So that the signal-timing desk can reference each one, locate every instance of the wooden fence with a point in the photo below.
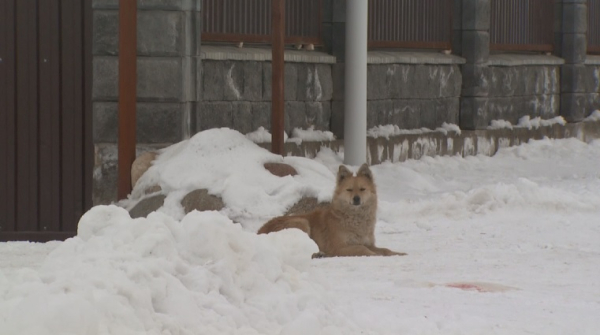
(522, 25)
(593, 34)
(410, 23)
(46, 153)
(250, 21)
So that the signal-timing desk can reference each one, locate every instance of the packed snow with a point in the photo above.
(508, 244)
(528, 122)
(387, 131)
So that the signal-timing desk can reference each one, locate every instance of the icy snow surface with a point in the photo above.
(508, 244)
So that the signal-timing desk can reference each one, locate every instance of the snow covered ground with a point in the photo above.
(508, 244)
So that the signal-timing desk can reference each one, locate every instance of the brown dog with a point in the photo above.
(346, 227)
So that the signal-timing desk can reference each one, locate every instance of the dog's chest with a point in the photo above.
(359, 230)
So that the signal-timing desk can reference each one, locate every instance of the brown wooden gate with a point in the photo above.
(46, 147)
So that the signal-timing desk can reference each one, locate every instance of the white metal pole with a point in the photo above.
(355, 95)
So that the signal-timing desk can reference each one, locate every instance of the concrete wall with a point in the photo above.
(185, 87)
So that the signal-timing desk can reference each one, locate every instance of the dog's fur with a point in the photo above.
(346, 227)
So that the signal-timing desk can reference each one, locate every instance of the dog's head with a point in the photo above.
(355, 190)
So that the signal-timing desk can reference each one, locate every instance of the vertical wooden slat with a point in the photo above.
(88, 149)
(7, 117)
(277, 103)
(26, 107)
(127, 92)
(68, 110)
(49, 146)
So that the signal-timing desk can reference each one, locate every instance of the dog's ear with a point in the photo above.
(365, 171)
(343, 172)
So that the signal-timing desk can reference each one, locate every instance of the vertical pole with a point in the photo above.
(278, 104)
(127, 93)
(355, 95)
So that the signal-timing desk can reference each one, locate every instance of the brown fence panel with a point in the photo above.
(410, 23)
(594, 26)
(45, 118)
(522, 25)
(250, 21)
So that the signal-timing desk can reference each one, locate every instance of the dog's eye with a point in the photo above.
(362, 189)
(349, 189)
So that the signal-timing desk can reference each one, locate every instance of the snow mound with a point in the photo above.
(229, 165)
(203, 275)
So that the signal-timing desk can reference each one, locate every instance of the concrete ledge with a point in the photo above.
(592, 60)
(436, 143)
(412, 57)
(212, 52)
(523, 60)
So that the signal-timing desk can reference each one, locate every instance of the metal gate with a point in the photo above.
(46, 147)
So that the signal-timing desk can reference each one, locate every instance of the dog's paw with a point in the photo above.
(399, 254)
(319, 254)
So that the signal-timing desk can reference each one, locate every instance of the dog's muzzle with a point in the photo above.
(356, 200)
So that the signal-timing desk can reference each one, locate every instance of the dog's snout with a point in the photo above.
(356, 200)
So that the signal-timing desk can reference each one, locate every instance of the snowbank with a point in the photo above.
(203, 275)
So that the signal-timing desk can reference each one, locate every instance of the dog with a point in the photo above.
(346, 227)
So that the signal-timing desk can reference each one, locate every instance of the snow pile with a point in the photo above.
(229, 165)
(313, 135)
(527, 122)
(203, 275)
(390, 130)
(261, 135)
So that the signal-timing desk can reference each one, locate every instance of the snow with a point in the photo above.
(527, 122)
(508, 244)
(390, 130)
(595, 116)
(261, 135)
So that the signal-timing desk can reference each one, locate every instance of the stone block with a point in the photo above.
(327, 11)
(450, 81)
(165, 79)
(261, 115)
(295, 116)
(474, 113)
(318, 114)
(337, 118)
(105, 78)
(446, 110)
(290, 81)
(214, 115)
(580, 79)
(158, 79)
(574, 48)
(574, 107)
(523, 80)
(213, 80)
(379, 81)
(242, 116)
(573, 78)
(233, 80)
(379, 112)
(475, 80)
(253, 85)
(475, 46)
(406, 114)
(155, 122)
(475, 14)
(402, 81)
(105, 32)
(513, 108)
(314, 82)
(338, 77)
(160, 33)
(575, 18)
(428, 114)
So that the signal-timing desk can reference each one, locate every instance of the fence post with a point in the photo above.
(355, 97)
(127, 93)
(571, 45)
(472, 41)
